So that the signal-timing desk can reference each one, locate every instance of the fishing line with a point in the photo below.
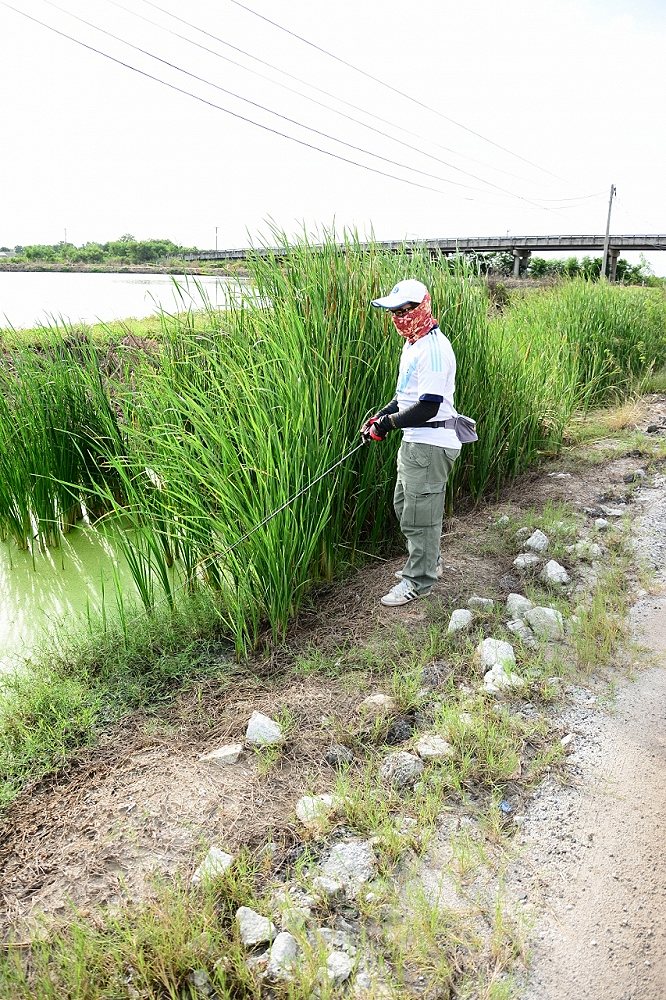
(217, 555)
(207, 560)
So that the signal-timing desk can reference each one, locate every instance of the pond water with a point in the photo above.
(28, 298)
(46, 595)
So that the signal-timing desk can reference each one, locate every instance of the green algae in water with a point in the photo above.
(45, 595)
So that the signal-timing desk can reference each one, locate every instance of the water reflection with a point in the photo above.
(28, 298)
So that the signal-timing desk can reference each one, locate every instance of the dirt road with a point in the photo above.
(595, 851)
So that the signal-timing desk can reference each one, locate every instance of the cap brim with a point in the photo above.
(391, 302)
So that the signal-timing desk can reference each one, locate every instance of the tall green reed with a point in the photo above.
(243, 408)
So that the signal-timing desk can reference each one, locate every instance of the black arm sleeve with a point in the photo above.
(391, 407)
(416, 415)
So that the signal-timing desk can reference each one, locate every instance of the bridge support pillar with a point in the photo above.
(613, 254)
(520, 260)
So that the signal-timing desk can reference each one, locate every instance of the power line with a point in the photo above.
(416, 149)
(307, 83)
(219, 107)
(292, 121)
(262, 107)
(395, 90)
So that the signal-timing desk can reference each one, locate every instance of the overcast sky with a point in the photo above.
(90, 147)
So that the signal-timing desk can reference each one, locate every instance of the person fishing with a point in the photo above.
(432, 435)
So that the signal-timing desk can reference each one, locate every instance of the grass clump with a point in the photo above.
(163, 948)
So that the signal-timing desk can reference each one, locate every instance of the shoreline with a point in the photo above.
(181, 268)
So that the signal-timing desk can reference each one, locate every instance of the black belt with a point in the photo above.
(451, 423)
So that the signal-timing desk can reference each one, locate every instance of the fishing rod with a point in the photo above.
(207, 560)
(218, 555)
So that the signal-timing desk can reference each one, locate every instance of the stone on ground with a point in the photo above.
(537, 542)
(339, 966)
(494, 652)
(517, 605)
(547, 623)
(253, 928)
(518, 627)
(477, 603)
(430, 746)
(283, 957)
(215, 863)
(330, 888)
(351, 863)
(314, 810)
(401, 769)
(262, 731)
(338, 755)
(601, 524)
(377, 706)
(522, 534)
(461, 619)
(554, 575)
(526, 560)
(223, 755)
(498, 679)
(585, 550)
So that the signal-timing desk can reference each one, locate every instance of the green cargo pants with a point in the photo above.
(418, 501)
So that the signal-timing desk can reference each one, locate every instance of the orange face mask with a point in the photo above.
(417, 322)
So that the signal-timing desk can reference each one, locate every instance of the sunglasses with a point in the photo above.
(403, 310)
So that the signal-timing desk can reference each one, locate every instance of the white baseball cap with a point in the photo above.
(409, 290)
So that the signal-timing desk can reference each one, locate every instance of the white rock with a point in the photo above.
(283, 956)
(401, 769)
(461, 618)
(262, 731)
(585, 550)
(253, 928)
(477, 603)
(430, 746)
(351, 863)
(339, 966)
(537, 542)
(613, 511)
(215, 863)
(495, 652)
(554, 575)
(313, 810)
(559, 475)
(601, 524)
(526, 560)
(547, 623)
(330, 888)
(498, 679)
(503, 520)
(224, 755)
(566, 740)
(517, 605)
(524, 633)
(378, 705)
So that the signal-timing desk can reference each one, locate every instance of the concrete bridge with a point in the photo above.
(520, 246)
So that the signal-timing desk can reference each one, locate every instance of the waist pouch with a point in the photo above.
(464, 427)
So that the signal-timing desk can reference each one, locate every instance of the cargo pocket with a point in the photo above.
(422, 510)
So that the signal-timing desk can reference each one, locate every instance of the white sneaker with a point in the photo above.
(402, 593)
(439, 571)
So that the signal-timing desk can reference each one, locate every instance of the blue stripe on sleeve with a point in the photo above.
(429, 397)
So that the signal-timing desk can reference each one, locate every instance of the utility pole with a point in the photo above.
(216, 239)
(65, 236)
(604, 259)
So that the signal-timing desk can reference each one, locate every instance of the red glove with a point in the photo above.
(366, 429)
(380, 428)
